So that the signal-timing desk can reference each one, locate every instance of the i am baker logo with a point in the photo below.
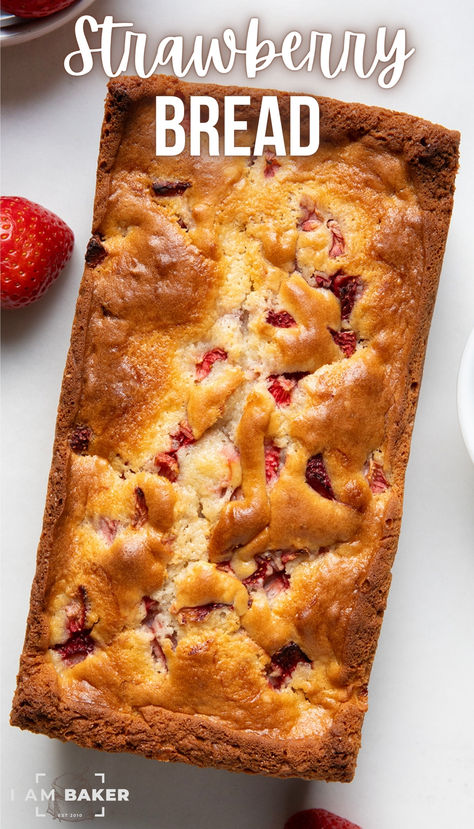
(73, 797)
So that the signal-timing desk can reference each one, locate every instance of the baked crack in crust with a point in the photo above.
(233, 432)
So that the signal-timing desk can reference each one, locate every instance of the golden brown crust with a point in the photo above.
(389, 152)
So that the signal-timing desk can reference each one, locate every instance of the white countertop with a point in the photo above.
(416, 765)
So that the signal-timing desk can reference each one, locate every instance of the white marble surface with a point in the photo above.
(416, 766)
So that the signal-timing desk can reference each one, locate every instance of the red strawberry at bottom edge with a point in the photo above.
(35, 245)
(318, 819)
(34, 8)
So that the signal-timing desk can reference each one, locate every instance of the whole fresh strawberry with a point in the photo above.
(34, 8)
(318, 819)
(35, 244)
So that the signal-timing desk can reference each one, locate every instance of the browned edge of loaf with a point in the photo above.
(431, 152)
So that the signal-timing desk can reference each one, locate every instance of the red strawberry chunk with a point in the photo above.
(284, 662)
(183, 437)
(80, 643)
(276, 584)
(108, 527)
(77, 647)
(76, 611)
(311, 218)
(338, 245)
(167, 465)
(225, 566)
(151, 609)
(269, 576)
(280, 387)
(158, 653)
(318, 478)
(141, 510)
(290, 555)
(204, 366)
(346, 288)
(198, 613)
(170, 188)
(95, 251)
(322, 280)
(377, 480)
(272, 462)
(318, 819)
(346, 340)
(265, 569)
(80, 439)
(271, 164)
(280, 319)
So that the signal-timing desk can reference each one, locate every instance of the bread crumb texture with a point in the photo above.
(233, 463)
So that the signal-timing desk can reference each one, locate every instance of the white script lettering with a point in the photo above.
(386, 57)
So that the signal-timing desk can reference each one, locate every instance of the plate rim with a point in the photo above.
(29, 29)
(465, 395)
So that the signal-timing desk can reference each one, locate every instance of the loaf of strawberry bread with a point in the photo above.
(233, 431)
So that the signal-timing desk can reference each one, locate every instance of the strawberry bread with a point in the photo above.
(234, 425)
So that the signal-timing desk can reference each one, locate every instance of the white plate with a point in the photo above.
(14, 30)
(466, 395)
